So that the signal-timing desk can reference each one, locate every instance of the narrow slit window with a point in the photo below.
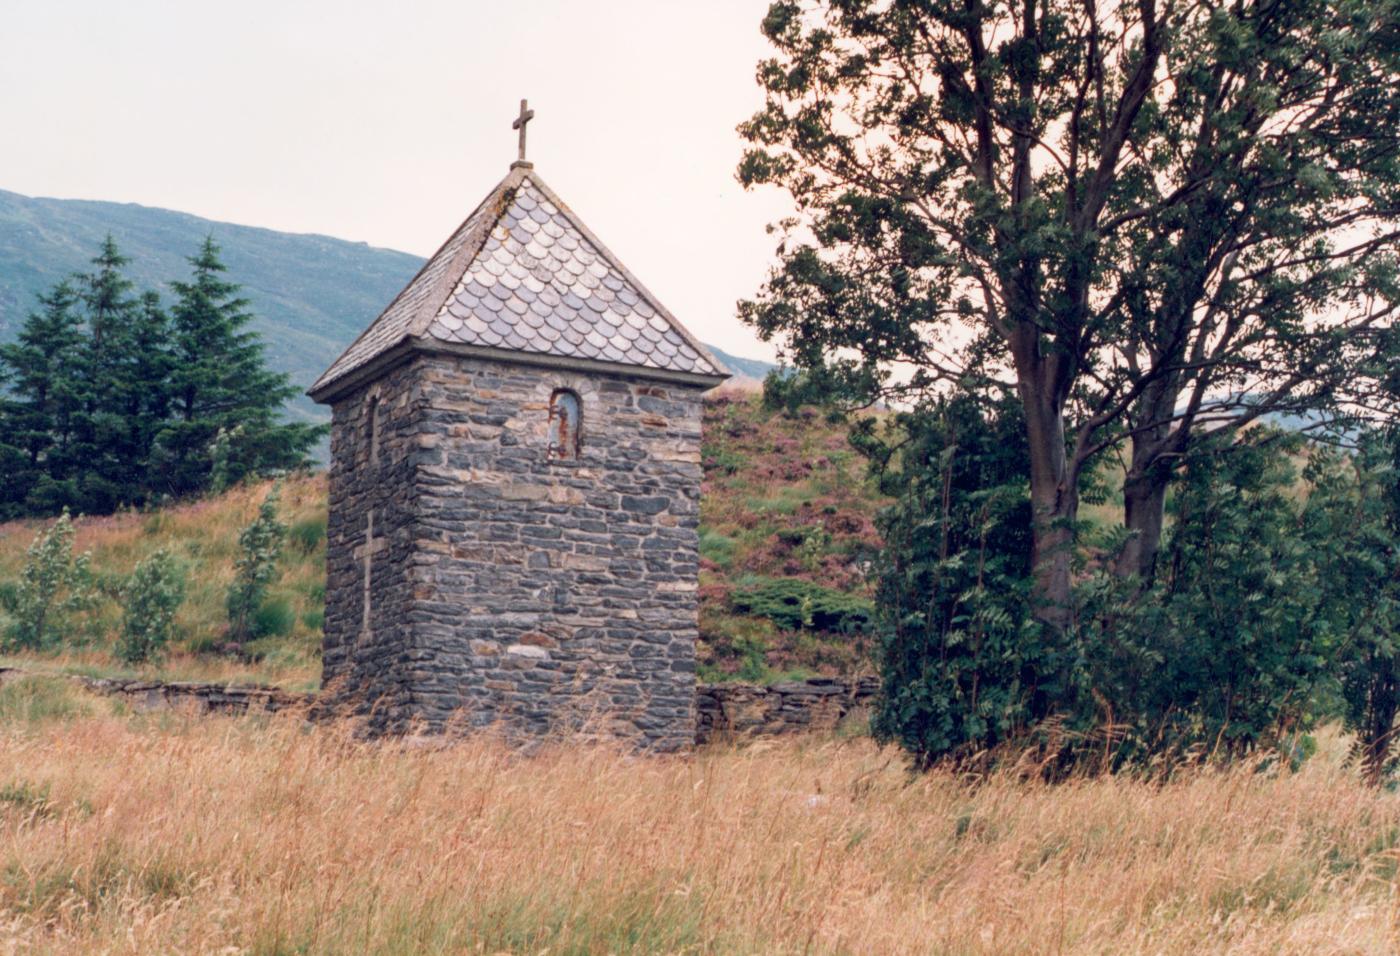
(565, 417)
(372, 413)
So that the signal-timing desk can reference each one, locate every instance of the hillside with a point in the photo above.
(786, 527)
(311, 294)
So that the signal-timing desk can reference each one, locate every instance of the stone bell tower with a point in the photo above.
(514, 489)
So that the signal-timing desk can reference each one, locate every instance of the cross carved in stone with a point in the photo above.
(366, 553)
(525, 116)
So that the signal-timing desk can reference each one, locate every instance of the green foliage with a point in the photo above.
(221, 459)
(52, 587)
(1229, 649)
(259, 547)
(37, 423)
(963, 666)
(1354, 522)
(1264, 602)
(108, 454)
(795, 604)
(149, 602)
(111, 401)
(308, 534)
(275, 618)
(224, 423)
(717, 548)
(998, 194)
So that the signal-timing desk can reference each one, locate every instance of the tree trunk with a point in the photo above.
(1378, 730)
(1144, 513)
(1055, 507)
(1145, 484)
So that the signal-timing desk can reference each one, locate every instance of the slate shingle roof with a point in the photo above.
(522, 274)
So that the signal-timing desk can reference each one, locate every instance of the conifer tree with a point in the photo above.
(146, 383)
(219, 382)
(102, 433)
(37, 420)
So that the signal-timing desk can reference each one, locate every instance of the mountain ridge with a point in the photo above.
(311, 294)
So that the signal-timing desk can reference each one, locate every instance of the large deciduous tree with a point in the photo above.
(1147, 220)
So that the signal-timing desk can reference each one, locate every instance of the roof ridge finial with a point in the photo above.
(526, 114)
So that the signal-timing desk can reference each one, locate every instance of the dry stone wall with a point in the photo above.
(735, 711)
(723, 711)
(203, 698)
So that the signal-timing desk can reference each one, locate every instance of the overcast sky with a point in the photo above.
(387, 122)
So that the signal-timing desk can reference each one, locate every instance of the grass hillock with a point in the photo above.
(786, 534)
(202, 537)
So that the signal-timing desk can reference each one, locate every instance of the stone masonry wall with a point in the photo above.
(370, 539)
(547, 594)
(724, 711)
(733, 711)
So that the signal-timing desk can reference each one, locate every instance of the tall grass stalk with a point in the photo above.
(213, 835)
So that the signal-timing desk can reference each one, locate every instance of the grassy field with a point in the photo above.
(168, 834)
(785, 502)
(203, 536)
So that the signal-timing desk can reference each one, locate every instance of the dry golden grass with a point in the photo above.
(184, 835)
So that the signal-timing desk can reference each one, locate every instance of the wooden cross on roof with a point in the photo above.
(525, 116)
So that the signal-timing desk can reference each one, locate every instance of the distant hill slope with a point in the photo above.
(311, 294)
(756, 369)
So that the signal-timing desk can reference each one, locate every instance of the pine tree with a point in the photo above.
(146, 383)
(220, 382)
(102, 434)
(37, 421)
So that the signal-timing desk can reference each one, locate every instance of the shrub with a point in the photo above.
(149, 602)
(964, 668)
(1228, 650)
(53, 585)
(259, 547)
(1353, 516)
(306, 535)
(275, 618)
(795, 604)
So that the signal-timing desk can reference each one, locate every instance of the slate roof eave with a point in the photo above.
(406, 348)
(720, 368)
(419, 318)
(439, 290)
